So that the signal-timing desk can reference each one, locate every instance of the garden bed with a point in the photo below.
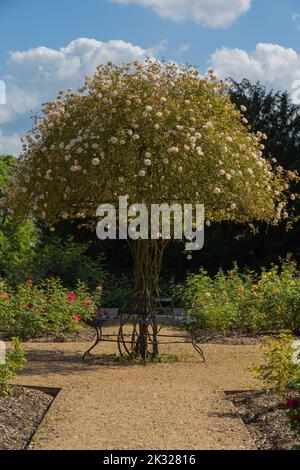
(84, 335)
(237, 339)
(20, 415)
(87, 333)
(266, 419)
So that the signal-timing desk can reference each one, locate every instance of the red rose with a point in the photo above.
(292, 403)
(4, 296)
(296, 418)
(29, 281)
(86, 304)
(72, 296)
(98, 313)
(77, 318)
(31, 306)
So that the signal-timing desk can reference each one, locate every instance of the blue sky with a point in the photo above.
(32, 23)
(46, 46)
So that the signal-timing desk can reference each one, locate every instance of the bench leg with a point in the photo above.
(199, 350)
(195, 343)
(98, 339)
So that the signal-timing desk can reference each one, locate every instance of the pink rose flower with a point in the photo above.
(72, 296)
(292, 403)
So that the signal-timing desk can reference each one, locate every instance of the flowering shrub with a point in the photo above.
(157, 132)
(245, 302)
(14, 361)
(293, 404)
(281, 373)
(31, 311)
(278, 370)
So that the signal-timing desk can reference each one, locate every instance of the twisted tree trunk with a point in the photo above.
(147, 257)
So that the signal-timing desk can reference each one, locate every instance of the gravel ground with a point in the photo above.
(129, 406)
(105, 405)
(20, 415)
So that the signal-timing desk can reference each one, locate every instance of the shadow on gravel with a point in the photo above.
(46, 362)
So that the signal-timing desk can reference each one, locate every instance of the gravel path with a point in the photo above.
(129, 406)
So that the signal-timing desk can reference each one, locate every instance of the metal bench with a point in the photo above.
(161, 313)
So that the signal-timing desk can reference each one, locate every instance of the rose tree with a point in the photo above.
(158, 133)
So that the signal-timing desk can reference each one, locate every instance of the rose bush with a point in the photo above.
(293, 404)
(277, 371)
(280, 373)
(33, 310)
(244, 302)
(159, 133)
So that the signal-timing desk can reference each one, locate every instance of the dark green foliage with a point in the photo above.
(115, 289)
(69, 261)
(17, 240)
(275, 114)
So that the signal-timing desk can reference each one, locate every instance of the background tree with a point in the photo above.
(275, 114)
(17, 240)
(158, 133)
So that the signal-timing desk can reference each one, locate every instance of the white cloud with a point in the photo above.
(296, 20)
(2, 92)
(160, 47)
(182, 48)
(9, 144)
(68, 64)
(212, 13)
(271, 64)
(35, 76)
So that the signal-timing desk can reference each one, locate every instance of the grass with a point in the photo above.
(132, 359)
